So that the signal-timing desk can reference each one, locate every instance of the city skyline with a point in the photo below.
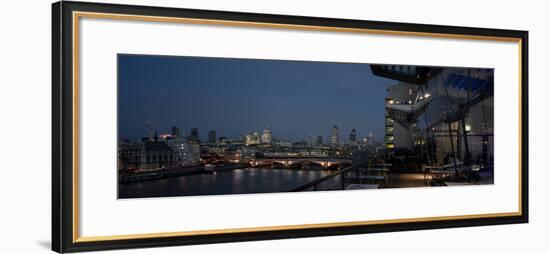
(210, 126)
(204, 135)
(295, 98)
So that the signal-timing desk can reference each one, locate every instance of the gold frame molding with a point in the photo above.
(75, 152)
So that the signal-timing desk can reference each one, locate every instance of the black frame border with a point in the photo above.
(62, 129)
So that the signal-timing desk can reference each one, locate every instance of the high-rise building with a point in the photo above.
(353, 137)
(317, 141)
(267, 136)
(335, 137)
(212, 137)
(369, 140)
(194, 135)
(175, 131)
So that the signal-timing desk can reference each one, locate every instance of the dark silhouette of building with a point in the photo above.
(353, 137)
(194, 135)
(212, 137)
(155, 154)
(175, 131)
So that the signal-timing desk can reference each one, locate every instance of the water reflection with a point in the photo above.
(238, 181)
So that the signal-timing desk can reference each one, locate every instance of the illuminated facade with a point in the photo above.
(398, 129)
(246, 154)
(267, 137)
(185, 155)
(252, 139)
(444, 114)
(389, 127)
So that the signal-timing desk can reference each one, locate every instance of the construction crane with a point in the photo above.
(150, 125)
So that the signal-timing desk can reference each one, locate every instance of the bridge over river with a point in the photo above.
(301, 162)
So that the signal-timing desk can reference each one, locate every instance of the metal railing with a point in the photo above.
(341, 173)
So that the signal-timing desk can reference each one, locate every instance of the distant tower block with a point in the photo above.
(353, 137)
(317, 141)
(212, 137)
(194, 135)
(335, 137)
(370, 138)
(175, 131)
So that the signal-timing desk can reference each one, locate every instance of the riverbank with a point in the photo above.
(173, 172)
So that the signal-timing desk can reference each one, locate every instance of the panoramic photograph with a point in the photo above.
(190, 126)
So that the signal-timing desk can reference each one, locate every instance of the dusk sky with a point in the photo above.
(295, 99)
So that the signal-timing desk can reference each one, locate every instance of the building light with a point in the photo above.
(467, 127)
(427, 95)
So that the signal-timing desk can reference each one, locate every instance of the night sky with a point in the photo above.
(295, 99)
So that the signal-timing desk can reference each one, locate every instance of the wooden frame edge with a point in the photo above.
(60, 80)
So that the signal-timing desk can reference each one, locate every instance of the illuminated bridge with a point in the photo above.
(301, 162)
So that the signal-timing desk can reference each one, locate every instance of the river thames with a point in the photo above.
(237, 181)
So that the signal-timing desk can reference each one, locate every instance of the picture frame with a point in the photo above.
(66, 91)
